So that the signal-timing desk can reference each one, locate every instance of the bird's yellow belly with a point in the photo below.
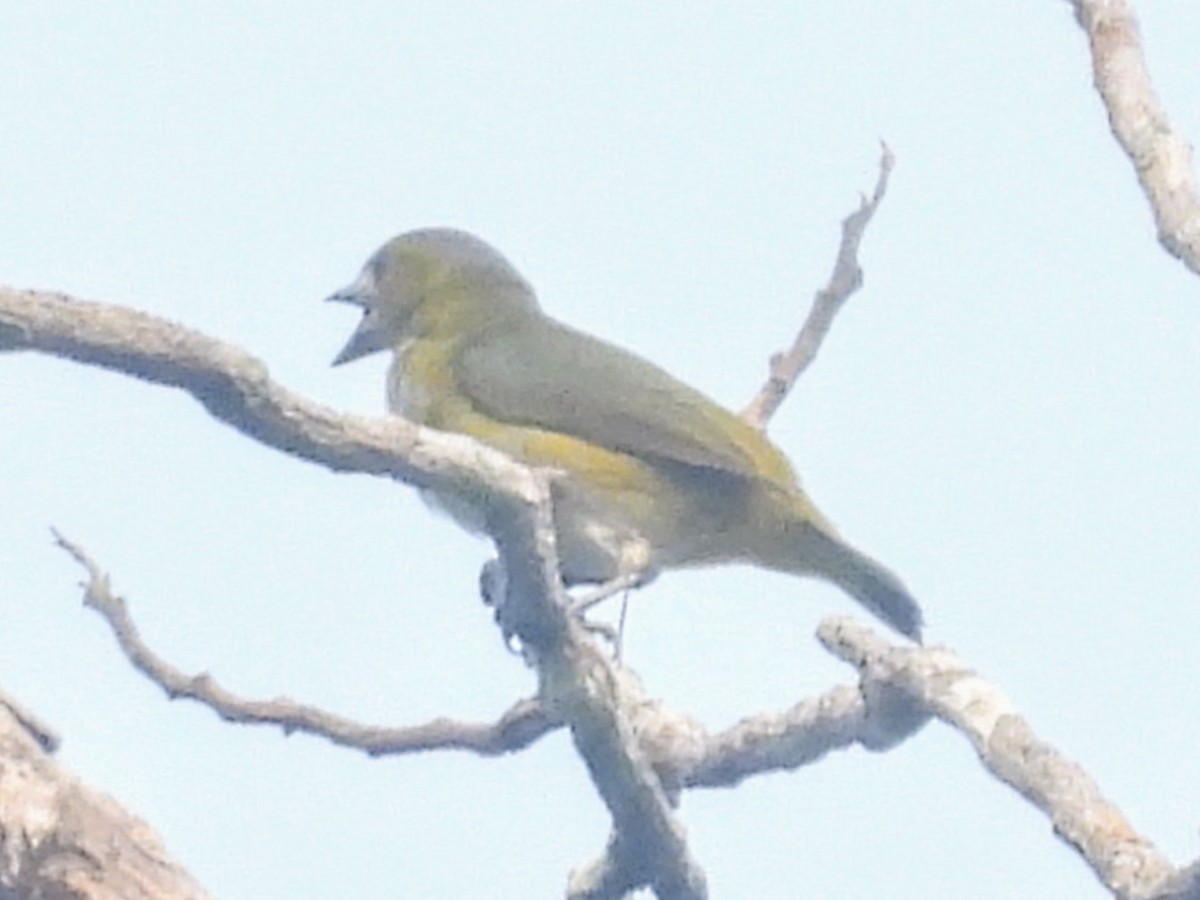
(614, 513)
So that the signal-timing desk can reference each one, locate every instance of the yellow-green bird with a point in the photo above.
(654, 475)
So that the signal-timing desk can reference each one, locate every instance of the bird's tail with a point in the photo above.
(805, 547)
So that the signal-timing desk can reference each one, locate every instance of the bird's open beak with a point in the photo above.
(356, 348)
(369, 336)
(366, 338)
(348, 294)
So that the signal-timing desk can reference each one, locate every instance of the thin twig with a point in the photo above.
(523, 724)
(847, 277)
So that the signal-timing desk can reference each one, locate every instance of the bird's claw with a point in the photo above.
(624, 582)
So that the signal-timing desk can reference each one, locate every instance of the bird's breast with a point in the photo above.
(421, 385)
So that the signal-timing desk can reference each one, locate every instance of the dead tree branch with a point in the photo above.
(846, 278)
(59, 838)
(936, 681)
(1161, 157)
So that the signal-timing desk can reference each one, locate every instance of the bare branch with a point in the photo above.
(45, 736)
(523, 724)
(59, 838)
(771, 742)
(1161, 157)
(847, 277)
(649, 844)
(934, 678)
(236, 388)
(600, 702)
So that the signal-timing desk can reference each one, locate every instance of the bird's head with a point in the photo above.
(435, 282)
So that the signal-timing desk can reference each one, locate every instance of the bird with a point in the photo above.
(651, 474)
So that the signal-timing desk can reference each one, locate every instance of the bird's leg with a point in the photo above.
(619, 642)
(622, 583)
(493, 589)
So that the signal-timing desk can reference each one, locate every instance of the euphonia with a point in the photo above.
(652, 473)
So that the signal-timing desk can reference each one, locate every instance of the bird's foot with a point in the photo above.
(622, 584)
(493, 588)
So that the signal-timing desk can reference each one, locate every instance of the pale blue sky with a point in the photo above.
(1006, 415)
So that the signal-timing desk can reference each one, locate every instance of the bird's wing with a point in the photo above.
(549, 376)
